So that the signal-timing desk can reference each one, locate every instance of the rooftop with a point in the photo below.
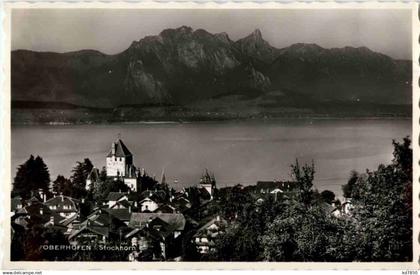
(120, 149)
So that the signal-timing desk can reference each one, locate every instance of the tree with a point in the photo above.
(102, 174)
(304, 177)
(382, 208)
(102, 188)
(63, 186)
(32, 175)
(348, 188)
(328, 196)
(145, 182)
(79, 176)
(41, 175)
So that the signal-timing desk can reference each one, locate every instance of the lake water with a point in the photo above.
(237, 152)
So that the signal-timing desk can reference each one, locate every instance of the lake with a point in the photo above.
(237, 152)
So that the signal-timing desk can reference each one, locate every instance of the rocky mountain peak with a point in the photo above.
(182, 65)
(256, 47)
(256, 34)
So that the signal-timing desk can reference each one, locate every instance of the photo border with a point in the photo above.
(5, 137)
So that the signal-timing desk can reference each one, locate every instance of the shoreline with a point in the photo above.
(239, 120)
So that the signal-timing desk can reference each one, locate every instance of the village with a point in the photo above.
(146, 219)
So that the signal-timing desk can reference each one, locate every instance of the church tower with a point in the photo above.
(209, 183)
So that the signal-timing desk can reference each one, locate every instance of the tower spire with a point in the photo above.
(163, 178)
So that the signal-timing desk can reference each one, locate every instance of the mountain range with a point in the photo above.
(186, 67)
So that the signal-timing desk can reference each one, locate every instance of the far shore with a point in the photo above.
(157, 122)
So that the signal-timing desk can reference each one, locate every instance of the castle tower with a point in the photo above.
(119, 161)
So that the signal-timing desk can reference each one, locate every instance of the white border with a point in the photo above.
(5, 170)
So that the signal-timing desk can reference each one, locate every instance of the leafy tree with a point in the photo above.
(304, 177)
(61, 185)
(52, 236)
(328, 196)
(348, 188)
(145, 182)
(118, 186)
(102, 188)
(233, 202)
(102, 174)
(302, 234)
(31, 176)
(383, 211)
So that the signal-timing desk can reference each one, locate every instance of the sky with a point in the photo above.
(112, 30)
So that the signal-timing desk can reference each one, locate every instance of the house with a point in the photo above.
(343, 210)
(99, 227)
(114, 197)
(119, 164)
(89, 233)
(35, 213)
(123, 204)
(148, 205)
(63, 206)
(181, 203)
(162, 231)
(274, 187)
(166, 208)
(175, 221)
(207, 234)
(121, 214)
(149, 243)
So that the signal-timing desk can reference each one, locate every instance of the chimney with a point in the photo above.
(62, 197)
(113, 149)
(218, 218)
(129, 209)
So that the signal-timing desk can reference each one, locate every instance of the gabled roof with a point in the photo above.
(69, 220)
(124, 203)
(155, 195)
(121, 214)
(34, 199)
(165, 208)
(114, 196)
(93, 174)
(61, 200)
(103, 231)
(220, 222)
(175, 221)
(120, 150)
(97, 218)
(145, 231)
(181, 203)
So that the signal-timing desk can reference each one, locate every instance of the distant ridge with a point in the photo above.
(183, 66)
